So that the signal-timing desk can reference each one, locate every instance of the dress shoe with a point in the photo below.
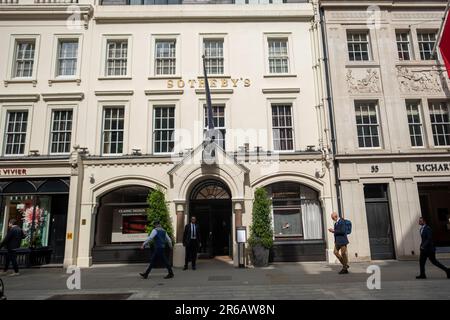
(143, 275)
(421, 277)
(448, 273)
(170, 275)
(343, 271)
(185, 268)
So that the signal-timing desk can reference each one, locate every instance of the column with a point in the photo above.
(178, 249)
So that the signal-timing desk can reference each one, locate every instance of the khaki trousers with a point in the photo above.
(341, 253)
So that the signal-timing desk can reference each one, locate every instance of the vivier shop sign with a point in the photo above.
(433, 167)
(13, 172)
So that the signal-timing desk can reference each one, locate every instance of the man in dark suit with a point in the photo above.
(427, 250)
(191, 241)
(340, 241)
(12, 241)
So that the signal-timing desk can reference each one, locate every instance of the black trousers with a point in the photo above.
(11, 256)
(424, 255)
(191, 253)
(158, 253)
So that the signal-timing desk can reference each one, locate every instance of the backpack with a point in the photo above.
(348, 226)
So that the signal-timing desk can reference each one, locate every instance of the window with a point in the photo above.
(278, 56)
(165, 57)
(282, 127)
(16, 132)
(358, 46)
(24, 58)
(214, 61)
(427, 41)
(367, 125)
(61, 132)
(164, 127)
(219, 123)
(113, 128)
(67, 57)
(296, 211)
(116, 57)
(403, 46)
(415, 124)
(440, 122)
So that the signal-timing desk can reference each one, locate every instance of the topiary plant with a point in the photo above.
(261, 232)
(158, 211)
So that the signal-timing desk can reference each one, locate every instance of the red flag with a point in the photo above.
(444, 45)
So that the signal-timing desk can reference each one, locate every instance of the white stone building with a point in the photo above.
(101, 102)
(391, 117)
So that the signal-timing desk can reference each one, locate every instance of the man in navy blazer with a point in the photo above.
(340, 241)
(427, 250)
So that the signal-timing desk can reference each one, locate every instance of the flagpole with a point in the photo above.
(433, 53)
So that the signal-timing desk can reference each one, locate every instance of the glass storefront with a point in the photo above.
(122, 216)
(23, 208)
(297, 212)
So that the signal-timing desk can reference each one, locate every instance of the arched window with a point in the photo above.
(297, 211)
(122, 216)
(210, 190)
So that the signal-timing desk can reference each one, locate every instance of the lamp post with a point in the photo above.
(241, 239)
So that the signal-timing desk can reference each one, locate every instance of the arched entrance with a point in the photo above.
(210, 202)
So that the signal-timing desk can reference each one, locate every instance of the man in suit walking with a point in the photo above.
(427, 250)
(191, 242)
(12, 241)
(340, 241)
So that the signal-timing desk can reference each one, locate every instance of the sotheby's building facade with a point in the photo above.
(102, 104)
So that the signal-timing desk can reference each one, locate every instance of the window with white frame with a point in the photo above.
(367, 125)
(214, 59)
(358, 46)
(427, 41)
(165, 57)
(278, 55)
(403, 45)
(116, 57)
(414, 123)
(16, 132)
(219, 122)
(24, 58)
(61, 131)
(440, 122)
(164, 128)
(282, 127)
(113, 129)
(67, 57)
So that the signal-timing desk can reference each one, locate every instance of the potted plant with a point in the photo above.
(158, 211)
(261, 233)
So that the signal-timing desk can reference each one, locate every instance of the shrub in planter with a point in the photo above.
(158, 211)
(261, 233)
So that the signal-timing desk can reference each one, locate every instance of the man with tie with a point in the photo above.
(191, 242)
(427, 250)
(340, 241)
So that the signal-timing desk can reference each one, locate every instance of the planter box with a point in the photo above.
(27, 257)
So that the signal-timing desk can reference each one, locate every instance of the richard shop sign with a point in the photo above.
(433, 167)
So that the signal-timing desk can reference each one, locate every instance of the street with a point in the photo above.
(219, 280)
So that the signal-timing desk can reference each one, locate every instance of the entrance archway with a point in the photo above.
(210, 202)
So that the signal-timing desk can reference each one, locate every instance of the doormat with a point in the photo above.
(91, 296)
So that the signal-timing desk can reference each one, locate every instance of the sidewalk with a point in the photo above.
(214, 280)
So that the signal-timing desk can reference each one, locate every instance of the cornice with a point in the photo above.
(44, 11)
(419, 4)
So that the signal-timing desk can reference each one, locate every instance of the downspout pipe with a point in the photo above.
(330, 104)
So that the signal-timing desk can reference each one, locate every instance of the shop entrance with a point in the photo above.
(379, 222)
(435, 208)
(210, 202)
